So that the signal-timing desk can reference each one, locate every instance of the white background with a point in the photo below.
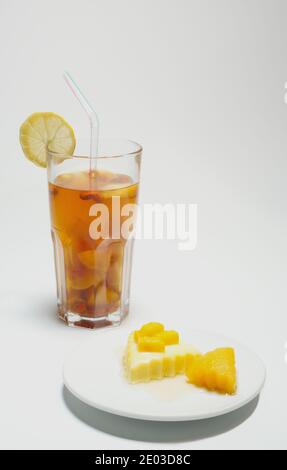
(201, 85)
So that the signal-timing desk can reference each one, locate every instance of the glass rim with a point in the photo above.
(104, 155)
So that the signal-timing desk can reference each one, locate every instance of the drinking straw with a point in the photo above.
(92, 115)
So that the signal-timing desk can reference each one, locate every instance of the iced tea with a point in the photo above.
(89, 271)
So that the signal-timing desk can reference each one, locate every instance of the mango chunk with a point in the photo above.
(214, 370)
(149, 329)
(156, 330)
(169, 337)
(150, 344)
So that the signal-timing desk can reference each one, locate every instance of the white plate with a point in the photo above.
(93, 373)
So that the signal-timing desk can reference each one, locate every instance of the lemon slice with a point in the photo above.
(43, 131)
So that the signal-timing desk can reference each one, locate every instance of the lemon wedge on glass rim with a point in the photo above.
(43, 132)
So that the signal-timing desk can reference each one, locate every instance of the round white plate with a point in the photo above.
(93, 373)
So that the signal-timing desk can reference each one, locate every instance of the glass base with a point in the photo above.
(111, 319)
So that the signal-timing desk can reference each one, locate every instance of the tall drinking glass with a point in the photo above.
(92, 205)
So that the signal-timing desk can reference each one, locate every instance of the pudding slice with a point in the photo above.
(150, 357)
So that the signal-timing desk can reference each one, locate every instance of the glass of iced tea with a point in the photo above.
(91, 202)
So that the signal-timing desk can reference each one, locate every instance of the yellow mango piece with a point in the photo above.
(151, 329)
(150, 344)
(169, 337)
(214, 370)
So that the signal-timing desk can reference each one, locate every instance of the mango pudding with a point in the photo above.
(154, 353)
